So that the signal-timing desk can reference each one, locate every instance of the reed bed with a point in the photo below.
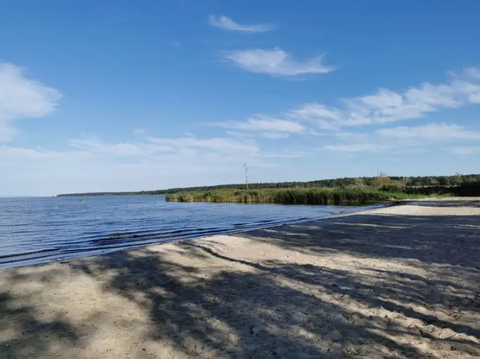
(315, 196)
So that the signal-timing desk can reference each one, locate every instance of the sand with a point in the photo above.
(397, 282)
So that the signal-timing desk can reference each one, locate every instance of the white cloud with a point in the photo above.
(464, 150)
(181, 148)
(219, 146)
(356, 147)
(431, 131)
(405, 139)
(383, 107)
(286, 154)
(239, 134)
(387, 106)
(226, 23)
(275, 62)
(316, 114)
(157, 147)
(21, 98)
(118, 149)
(272, 135)
(20, 153)
(189, 149)
(263, 126)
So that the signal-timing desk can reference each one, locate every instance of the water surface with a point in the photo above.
(42, 230)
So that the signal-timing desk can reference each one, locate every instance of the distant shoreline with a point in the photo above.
(431, 182)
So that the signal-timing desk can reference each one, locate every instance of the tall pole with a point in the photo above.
(246, 174)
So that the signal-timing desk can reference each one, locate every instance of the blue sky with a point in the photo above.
(102, 95)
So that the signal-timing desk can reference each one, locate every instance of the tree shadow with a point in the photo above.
(237, 314)
(278, 310)
(26, 334)
(392, 290)
(452, 240)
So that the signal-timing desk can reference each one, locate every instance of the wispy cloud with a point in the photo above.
(318, 115)
(20, 154)
(188, 148)
(96, 146)
(431, 131)
(21, 98)
(381, 108)
(356, 147)
(405, 138)
(464, 150)
(388, 106)
(219, 146)
(264, 126)
(226, 23)
(276, 62)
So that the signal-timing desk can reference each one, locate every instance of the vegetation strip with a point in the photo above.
(425, 184)
(313, 196)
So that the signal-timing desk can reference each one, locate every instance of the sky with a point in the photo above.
(100, 95)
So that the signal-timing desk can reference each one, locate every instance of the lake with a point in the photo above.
(42, 230)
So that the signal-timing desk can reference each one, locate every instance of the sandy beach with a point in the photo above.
(396, 282)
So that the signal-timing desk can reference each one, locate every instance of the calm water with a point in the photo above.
(41, 230)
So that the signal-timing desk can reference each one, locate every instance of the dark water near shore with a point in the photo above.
(42, 230)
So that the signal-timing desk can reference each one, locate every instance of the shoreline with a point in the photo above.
(232, 231)
(398, 281)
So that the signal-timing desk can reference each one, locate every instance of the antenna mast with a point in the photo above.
(246, 174)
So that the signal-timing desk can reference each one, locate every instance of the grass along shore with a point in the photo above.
(315, 196)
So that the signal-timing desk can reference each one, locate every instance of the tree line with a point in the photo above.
(380, 181)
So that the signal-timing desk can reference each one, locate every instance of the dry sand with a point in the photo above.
(397, 282)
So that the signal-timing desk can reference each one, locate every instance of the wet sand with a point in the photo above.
(397, 282)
